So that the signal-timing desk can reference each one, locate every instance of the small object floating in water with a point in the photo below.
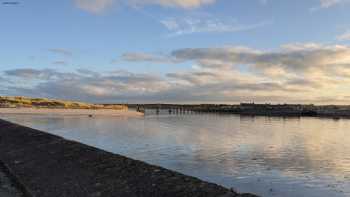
(139, 109)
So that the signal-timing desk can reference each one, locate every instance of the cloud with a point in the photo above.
(94, 6)
(294, 57)
(85, 84)
(233, 72)
(99, 6)
(123, 86)
(187, 4)
(305, 72)
(146, 57)
(29, 73)
(344, 37)
(199, 24)
(60, 62)
(328, 4)
(61, 51)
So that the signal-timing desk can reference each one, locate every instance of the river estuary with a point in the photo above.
(268, 156)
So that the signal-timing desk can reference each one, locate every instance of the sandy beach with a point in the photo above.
(72, 112)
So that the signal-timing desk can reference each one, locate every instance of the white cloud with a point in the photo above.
(200, 24)
(98, 6)
(329, 3)
(344, 37)
(94, 6)
(174, 3)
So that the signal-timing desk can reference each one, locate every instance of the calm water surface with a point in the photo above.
(263, 155)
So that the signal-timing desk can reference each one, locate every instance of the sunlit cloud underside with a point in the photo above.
(297, 73)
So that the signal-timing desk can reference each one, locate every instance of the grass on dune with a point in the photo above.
(19, 101)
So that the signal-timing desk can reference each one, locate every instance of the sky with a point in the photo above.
(176, 51)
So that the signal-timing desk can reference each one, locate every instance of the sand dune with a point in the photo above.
(75, 112)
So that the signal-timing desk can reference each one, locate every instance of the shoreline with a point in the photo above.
(47, 165)
(251, 109)
(70, 112)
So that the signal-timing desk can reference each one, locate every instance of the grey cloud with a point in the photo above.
(61, 51)
(305, 83)
(87, 72)
(195, 78)
(124, 86)
(60, 62)
(307, 71)
(85, 84)
(44, 74)
(293, 59)
(209, 81)
(146, 57)
(225, 54)
(29, 73)
(303, 69)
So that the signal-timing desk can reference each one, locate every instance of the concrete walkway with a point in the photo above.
(7, 187)
(49, 166)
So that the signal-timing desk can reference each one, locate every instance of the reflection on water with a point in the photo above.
(263, 155)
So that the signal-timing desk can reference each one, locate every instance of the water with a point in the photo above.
(269, 156)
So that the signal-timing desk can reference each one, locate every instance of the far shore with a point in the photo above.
(72, 112)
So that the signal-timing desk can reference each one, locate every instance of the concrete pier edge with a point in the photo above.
(14, 180)
(45, 165)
